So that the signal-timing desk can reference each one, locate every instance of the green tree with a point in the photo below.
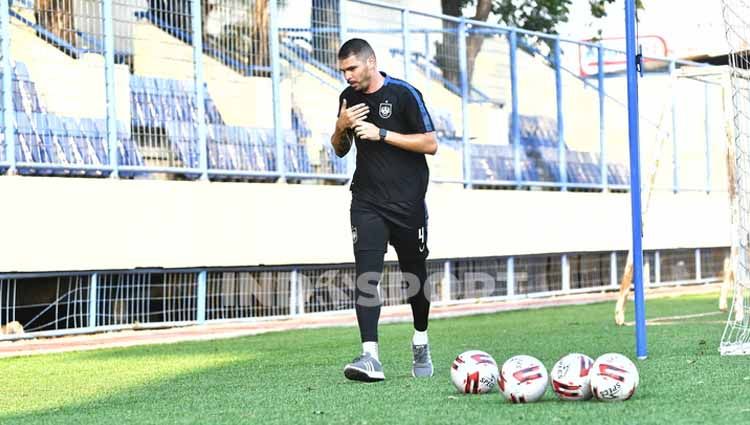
(533, 15)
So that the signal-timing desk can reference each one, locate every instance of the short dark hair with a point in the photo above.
(357, 47)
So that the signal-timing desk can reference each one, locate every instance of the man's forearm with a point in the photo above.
(340, 142)
(421, 143)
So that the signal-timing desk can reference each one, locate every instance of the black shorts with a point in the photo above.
(403, 224)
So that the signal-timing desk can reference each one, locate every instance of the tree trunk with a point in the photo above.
(325, 15)
(447, 51)
(56, 16)
(474, 43)
(259, 52)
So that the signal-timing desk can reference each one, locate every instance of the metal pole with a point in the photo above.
(464, 79)
(342, 21)
(613, 269)
(675, 164)
(635, 180)
(561, 153)
(565, 268)
(515, 124)
(93, 293)
(511, 281)
(201, 304)
(273, 34)
(698, 274)
(446, 287)
(707, 126)
(602, 135)
(109, 82)
(405, 30)
(293, 293)
(199, 81)
(8, 108)
(657, 267)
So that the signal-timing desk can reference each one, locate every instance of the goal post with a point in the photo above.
(736, 13)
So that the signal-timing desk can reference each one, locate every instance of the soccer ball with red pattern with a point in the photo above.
(523, 379)
(570, 377)
(474, 372)
(613, 377)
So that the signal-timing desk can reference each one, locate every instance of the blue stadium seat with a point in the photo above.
(297, 160)
(127, 150)
(337, 165)
(497, 163)
(212, 112)
(618, 174)
(94, 131)
(30, 146)
(214, 148)
(243, 142)
(86, 145)
(21, 71)
(73, 152)
(538, 132)
(184, 141)
(55, 152)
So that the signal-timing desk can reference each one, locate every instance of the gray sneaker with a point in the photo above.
(364, 368)
(422, 366)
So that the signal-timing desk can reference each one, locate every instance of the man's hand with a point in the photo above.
(349, 117)
(367, 131)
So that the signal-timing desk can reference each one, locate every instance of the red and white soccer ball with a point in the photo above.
(523, 379)
(474, 372)
(613, 377)
(570, 377)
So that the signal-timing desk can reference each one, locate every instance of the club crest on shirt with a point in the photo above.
(385, 110)
(354, 234)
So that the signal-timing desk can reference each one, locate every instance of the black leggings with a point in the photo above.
(369, 268)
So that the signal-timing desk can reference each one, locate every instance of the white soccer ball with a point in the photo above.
(613, 377)
(523, 379)
(570, 377)
(474, 372)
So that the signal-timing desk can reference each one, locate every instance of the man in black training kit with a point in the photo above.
(388, 120)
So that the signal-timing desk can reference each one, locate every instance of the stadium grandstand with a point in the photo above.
(168, 162)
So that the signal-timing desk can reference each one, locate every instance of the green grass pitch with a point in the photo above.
(296, 377)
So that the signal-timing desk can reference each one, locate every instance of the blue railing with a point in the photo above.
(212, 149)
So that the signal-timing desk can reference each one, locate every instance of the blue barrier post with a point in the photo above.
(109, 82)
(515, 125)
(707, 126)
(464, 80)
(273, 36)
(510, 290)
(93, 293)
(602, 135)
(635, 180)
(657, 267)
(293, 293)
(675, 164)
(405, 35)
(561, 152)
(201, 304)
(8, 108)
(199, 84)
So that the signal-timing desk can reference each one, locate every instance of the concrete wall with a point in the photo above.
(54, 224)
(242, 101)
(67, 86)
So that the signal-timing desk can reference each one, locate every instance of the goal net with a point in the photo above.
(736, 337)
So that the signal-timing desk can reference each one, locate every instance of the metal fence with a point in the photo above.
(246, 90)
(48, 304)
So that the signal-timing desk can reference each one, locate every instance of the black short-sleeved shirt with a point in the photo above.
(384, 172)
